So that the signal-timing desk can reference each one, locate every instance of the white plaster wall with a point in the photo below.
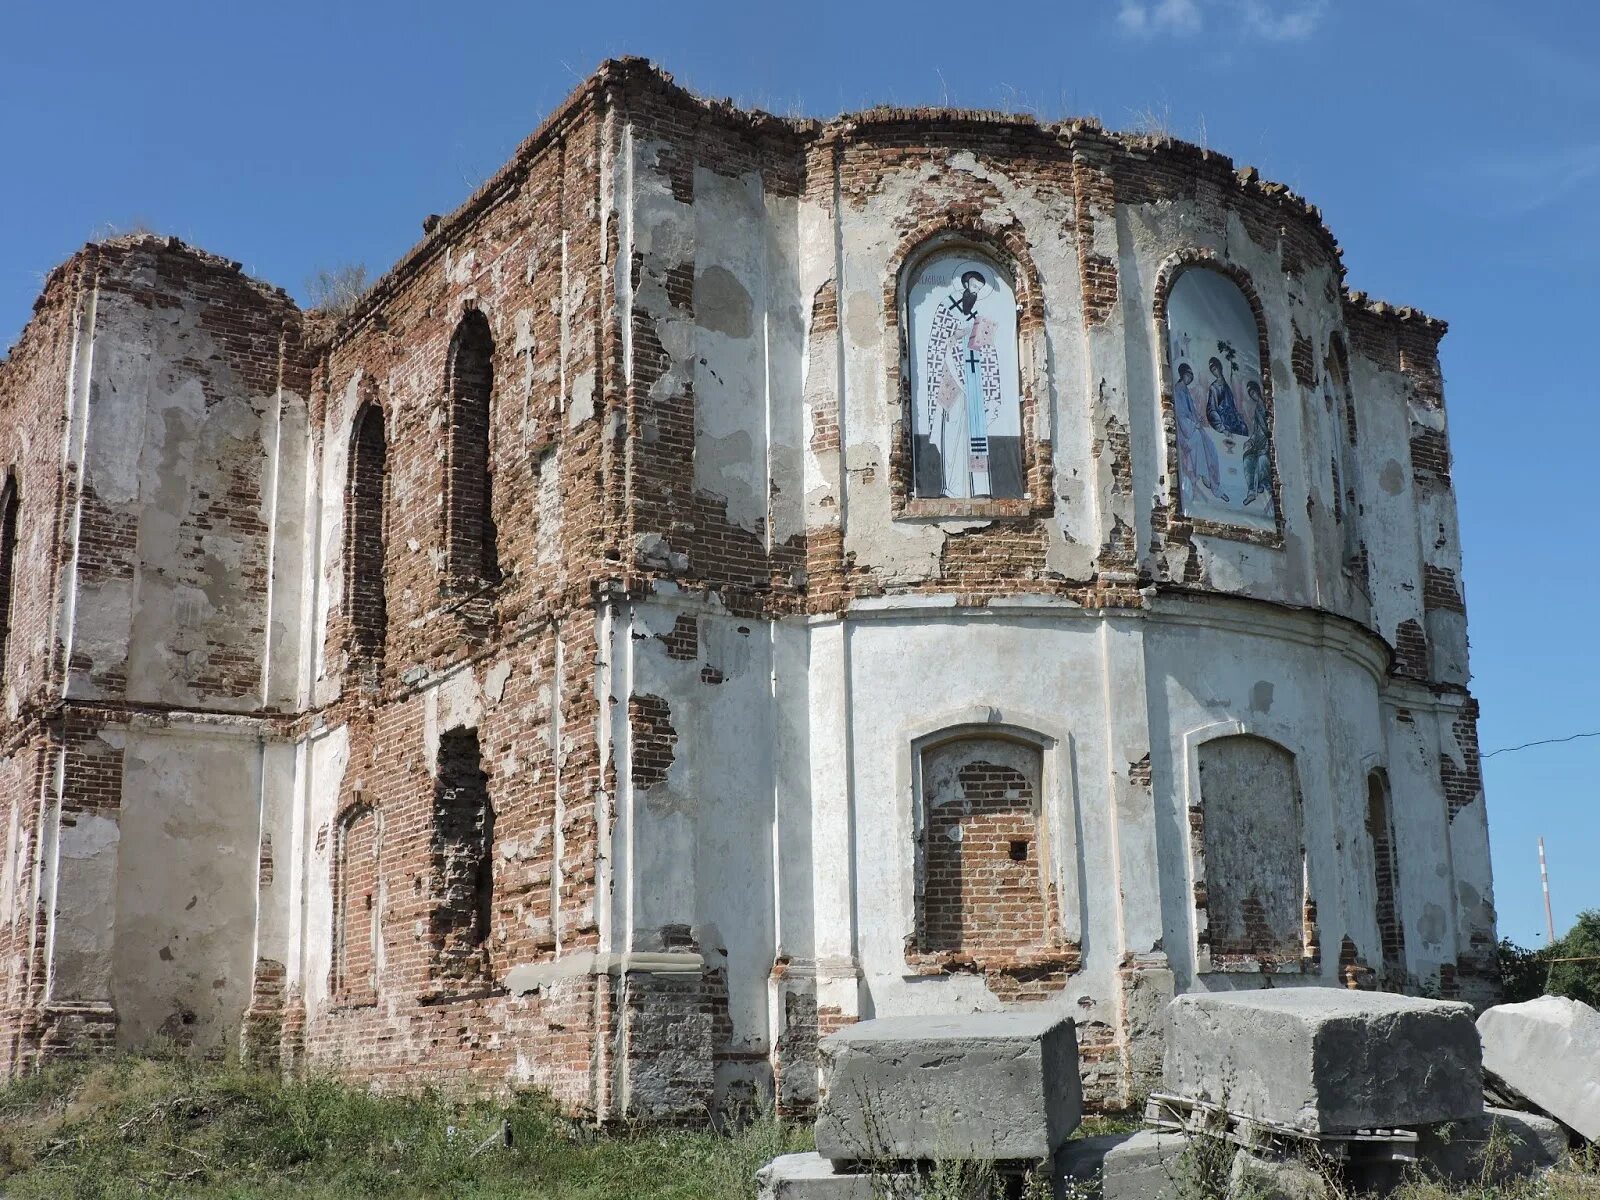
(699, 851)
(323, 766)
(165, 443)
(911, 672)
(186, 885)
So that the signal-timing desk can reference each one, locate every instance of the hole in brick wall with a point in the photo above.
(1019, 850)
(472, 542)
(463, 859)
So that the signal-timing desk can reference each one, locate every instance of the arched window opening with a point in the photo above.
(985, 882)
(10, 500)
(1386, 901)
(966, 407)
(365, 600)
(463, 856)
(1221, 402)
(1253, 851)
(1340, 403)
(473, 556)
(355, 926)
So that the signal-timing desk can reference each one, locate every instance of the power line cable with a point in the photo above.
(1571, 737)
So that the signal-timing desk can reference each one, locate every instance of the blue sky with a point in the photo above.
(1453, 146)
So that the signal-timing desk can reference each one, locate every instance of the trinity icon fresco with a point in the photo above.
(966, 406)
(1224, 427)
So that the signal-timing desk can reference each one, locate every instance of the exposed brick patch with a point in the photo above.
(1462, 778)
(1430, 455)
(261, 1034)
(653, 740)
(1411, 649)
(1439, 590)
(683, 640)
(1099, 278)
(1139, 772)
(1302, 359)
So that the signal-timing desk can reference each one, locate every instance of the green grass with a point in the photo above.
(166, 1127)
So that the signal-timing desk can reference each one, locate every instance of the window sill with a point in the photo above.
(944, 508)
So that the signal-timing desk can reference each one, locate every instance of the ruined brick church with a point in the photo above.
(734, 577)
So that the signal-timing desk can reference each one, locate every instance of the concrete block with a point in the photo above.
(1255, 1177)
(1076, 1169)
(1547, 1051)
(810, 1177)
(1498, 1146)
(1144, 1166)
(991, 1086)
(1326, 1059)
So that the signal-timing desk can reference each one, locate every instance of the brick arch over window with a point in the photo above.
(356, 876)
(963, 229)
(1166, 515)
(1248, 832)
(10, 504)
(365, 602)
(985, 887)
(472, 555)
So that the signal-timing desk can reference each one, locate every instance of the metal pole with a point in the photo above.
(1544, 880)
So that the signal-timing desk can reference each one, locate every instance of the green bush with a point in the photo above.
(1526, 973)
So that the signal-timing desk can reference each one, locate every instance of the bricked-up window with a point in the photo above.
(472, 555)
(364, 534)
(1380, 828)
(10, 499)
(355, 907)
(1252, 850)
(463, 862)
(984, 887)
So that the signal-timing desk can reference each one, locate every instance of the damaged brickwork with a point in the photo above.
(545, 665)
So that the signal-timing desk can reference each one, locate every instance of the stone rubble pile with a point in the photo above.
(1280, 1094)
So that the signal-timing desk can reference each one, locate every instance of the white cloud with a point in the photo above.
(1283, 20)
(1269, 20)
(1162, 16)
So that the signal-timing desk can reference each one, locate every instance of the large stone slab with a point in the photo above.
(1076, 1169)
(811, 1177)
(1326, 1059)
(1259, 1177)
(1500, 1145)
(1547, 1051)
(1146, 1166)
(991, 1086)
